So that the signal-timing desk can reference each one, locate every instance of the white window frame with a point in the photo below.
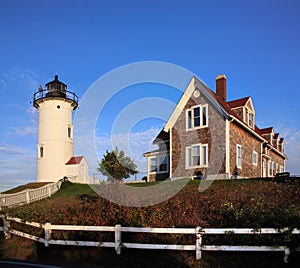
(191, 120)
(271, 168)
(159, 162)
(250, 115)
(239, 158)
(281, 169)
(254, 157)
(203, 155)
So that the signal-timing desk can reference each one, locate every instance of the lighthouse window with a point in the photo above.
(69, 132)
(58, 107)
(41, 151)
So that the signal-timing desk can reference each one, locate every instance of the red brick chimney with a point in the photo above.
(221, 86)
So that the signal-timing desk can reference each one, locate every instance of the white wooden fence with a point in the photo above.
(29, 195)
(198, 233)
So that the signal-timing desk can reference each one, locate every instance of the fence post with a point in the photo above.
(118, 239)
(6, 227)
(199, 233)
(27, 197)
(47, 228)
(287, 252)
(49, 190)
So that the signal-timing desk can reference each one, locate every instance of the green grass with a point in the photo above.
(69, 189)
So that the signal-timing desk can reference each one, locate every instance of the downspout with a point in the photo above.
(170, 153)
(227, 145)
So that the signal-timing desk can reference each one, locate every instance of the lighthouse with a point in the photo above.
(55, 149)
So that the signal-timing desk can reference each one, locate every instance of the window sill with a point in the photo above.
(193, 167)
(158, 172)
(196, 128)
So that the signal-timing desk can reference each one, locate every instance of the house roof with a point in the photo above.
(225, 108)
(162, 136)
(238, 103)
(74, 160)
(152, 152)
(267, 130)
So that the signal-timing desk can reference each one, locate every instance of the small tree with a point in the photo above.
(115, 165)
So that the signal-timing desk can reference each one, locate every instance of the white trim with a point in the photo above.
(227, 146)
(201, 165)
(154, 153)
(187, 118)
(181, 104)
(220, 76)
(204, 91)
(170, 153)
(261, 160)
(251, 105)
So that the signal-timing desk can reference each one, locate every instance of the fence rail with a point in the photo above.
(198, 233)
(29, 195)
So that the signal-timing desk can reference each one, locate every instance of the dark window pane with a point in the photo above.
(196, 160)
(153, 165)
(163, 167)
(197, 122)
(204, 111)
(196, 112)
(189, 119)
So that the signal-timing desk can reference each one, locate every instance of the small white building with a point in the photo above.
(55, 148)
(77, 169)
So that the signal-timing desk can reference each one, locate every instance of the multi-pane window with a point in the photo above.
(196, 155)
(163, 164)
(153, 164)
(159, 164)
(239, 156)
(271, 168)
(250, 119)
(254, 158)
(197, 117)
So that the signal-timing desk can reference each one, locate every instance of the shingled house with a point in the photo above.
(208, 136)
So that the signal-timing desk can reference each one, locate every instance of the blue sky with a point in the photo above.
(255, 43)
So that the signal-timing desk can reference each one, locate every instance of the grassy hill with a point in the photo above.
(235, 203)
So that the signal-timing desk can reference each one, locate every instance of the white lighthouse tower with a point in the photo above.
(55, 150)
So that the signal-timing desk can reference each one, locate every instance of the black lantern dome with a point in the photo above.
(54, 89)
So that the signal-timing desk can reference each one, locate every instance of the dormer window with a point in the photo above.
(271, 139)
(197, 117)
(250, 119)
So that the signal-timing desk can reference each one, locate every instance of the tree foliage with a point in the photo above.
(115, 165)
